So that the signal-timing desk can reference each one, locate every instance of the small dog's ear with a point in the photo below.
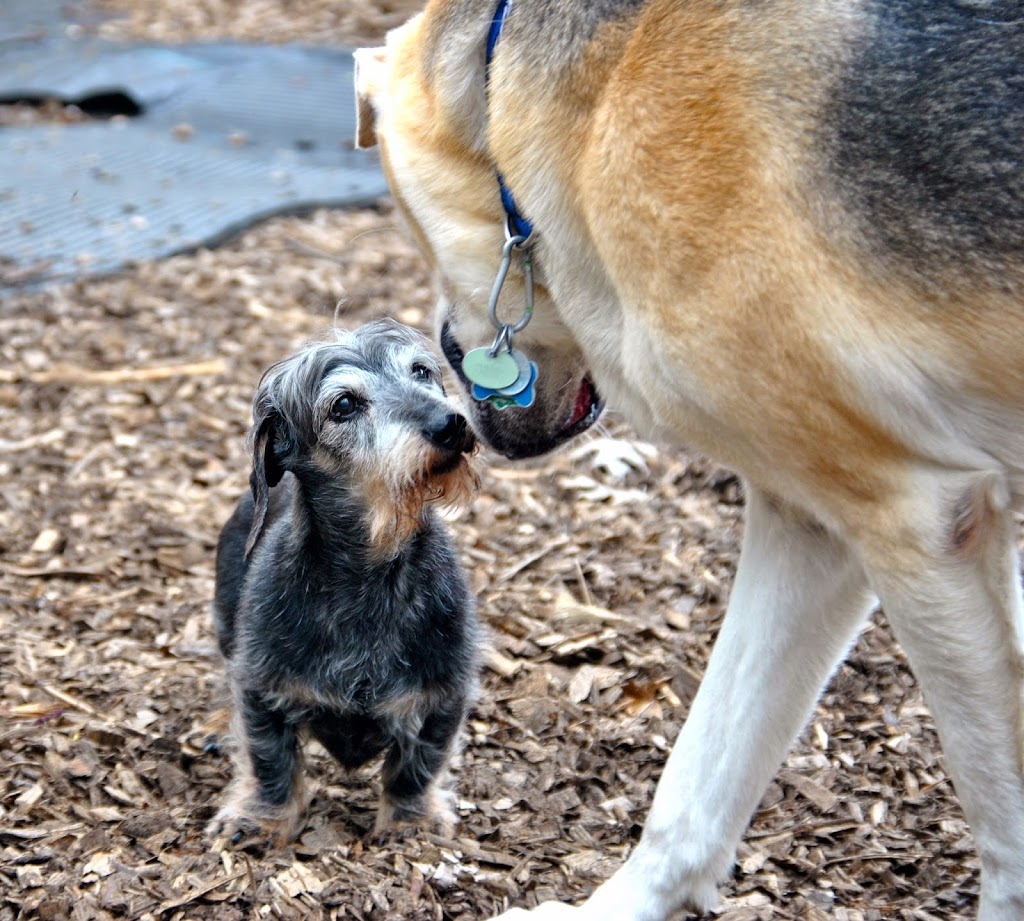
(267, 470)
(370, 68)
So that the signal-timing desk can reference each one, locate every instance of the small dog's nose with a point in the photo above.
(450, 432)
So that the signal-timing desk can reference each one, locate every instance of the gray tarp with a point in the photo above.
(228, 134)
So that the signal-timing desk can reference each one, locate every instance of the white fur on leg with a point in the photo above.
(798, 600)
(954, 601)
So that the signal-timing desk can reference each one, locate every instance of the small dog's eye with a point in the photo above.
(344, 407)
(422, 372)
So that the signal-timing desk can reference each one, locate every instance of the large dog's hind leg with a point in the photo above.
(798, 600)
(954, 600)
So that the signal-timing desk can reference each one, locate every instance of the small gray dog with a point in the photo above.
(340, 605)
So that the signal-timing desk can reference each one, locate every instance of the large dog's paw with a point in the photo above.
(546, 911)
(627, 897)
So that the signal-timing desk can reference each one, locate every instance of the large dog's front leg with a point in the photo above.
(953, 595)
(798, 600)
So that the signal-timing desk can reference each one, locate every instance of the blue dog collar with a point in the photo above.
(518, 225)
(496, 26)
(500, 375)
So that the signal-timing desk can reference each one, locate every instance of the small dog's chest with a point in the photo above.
(329, 639)
(369, 682)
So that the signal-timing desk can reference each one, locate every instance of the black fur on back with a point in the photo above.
(926, 134)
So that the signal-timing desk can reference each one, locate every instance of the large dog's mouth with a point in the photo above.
(586, 408)
(566, 404)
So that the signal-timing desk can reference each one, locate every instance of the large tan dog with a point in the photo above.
(791, 233)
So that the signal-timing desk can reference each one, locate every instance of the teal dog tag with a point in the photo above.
(491, 371)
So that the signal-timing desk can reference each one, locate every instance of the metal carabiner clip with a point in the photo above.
(513, 243)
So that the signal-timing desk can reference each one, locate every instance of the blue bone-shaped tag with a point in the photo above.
(513, 395)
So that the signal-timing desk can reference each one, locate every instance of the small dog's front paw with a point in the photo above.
(397, 819)
(246, 818)
(233, 829)
(230, 829)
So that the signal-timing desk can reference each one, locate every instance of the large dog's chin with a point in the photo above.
(566, 403)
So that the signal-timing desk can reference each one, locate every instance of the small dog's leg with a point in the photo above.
(798, 600)
(265, 795)
(953, 597)
(413, 769)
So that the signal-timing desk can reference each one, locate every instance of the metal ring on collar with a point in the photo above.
(504, 338)
(520, 240)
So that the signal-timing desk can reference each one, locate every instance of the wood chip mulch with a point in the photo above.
(601, 574)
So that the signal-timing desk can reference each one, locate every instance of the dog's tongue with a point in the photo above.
(584, 400)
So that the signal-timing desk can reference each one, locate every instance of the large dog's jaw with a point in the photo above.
(446, 187)
(565, 405)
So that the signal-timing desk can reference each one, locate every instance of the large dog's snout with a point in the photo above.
(450, 432)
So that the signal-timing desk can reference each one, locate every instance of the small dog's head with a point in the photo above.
(365, 412)
(422, 97)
